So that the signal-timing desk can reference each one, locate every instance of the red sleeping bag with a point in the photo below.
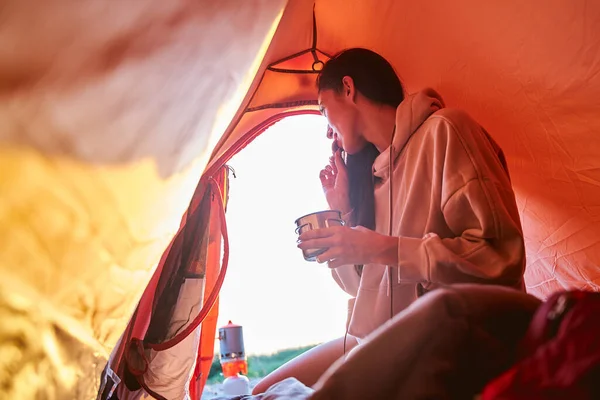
(559, 355)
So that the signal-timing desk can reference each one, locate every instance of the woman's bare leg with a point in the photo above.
(309, 366)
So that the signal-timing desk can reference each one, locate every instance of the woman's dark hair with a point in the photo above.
(375, 78)
(361, 186)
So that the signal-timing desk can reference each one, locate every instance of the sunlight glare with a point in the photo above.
(281, 300)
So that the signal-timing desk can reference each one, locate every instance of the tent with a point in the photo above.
(117, 119)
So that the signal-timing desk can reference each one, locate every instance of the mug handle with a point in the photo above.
(341, 221)
(298, 229)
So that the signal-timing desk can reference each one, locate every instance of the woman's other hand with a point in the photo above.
(345, 245)
(334, 179)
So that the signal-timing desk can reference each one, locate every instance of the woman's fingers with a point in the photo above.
(331, 239)
(325, 238)
(331, 254)
(323, 177)
(318, 233)
(320, 243)
(332, 164)
(336, 263)
(328, 170)
(340, 167)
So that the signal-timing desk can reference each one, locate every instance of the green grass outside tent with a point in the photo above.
(258, 366)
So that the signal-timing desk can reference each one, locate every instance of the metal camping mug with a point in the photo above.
(317, 220)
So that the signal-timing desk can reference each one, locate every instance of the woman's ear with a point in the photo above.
(348, 89)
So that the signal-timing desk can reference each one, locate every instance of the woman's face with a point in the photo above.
(342, 116)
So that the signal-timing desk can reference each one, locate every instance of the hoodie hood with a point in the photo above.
(410, 115)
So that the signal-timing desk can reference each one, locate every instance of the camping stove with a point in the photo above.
(232, 352)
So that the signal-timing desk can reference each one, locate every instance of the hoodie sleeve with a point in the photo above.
(478, 207)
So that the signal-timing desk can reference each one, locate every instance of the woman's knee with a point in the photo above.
(309, 366)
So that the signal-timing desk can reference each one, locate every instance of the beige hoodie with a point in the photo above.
(452, 209)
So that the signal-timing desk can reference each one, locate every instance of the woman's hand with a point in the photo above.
(345, 245)
(334, 179)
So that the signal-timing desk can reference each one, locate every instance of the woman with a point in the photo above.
(442, 211)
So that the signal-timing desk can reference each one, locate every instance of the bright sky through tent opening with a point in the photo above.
(281, 300)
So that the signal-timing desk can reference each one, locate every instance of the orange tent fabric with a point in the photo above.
(529, 72)
(209, 324)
